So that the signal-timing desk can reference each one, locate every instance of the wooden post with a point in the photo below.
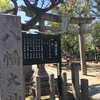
(82, 49)
(75, 81)
(38, 89)
(84, 89)
(64, 87)
(52, 87)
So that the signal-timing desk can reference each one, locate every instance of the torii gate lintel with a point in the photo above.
(73, 20)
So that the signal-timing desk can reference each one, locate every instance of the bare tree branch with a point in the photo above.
(16, 7)
(30, 6)
(38, 13)
(53, 4)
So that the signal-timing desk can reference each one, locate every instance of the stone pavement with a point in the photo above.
(94, 85)
(93, 81)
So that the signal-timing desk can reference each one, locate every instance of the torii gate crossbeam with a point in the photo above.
(73, 20)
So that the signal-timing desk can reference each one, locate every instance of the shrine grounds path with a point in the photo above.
(92, 76)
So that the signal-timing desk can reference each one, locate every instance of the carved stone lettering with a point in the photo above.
(14, 97)
(11, 80)
(12, 58)
(5, 37)
(14, 35)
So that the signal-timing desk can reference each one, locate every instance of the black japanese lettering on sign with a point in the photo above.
(40, 49)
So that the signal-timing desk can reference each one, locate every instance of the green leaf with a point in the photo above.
(5, 5)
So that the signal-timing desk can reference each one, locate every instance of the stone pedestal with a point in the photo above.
(41, 72)
(11, 64)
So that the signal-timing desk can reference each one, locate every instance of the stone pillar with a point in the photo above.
(82, 50)
(11, 64)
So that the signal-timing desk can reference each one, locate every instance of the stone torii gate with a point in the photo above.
(73, 20)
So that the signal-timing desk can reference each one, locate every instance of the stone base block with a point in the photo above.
(45, 89)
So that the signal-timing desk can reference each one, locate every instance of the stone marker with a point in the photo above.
(11, 66)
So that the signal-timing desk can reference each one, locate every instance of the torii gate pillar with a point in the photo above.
(82, 50)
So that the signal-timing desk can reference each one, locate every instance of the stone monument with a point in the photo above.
(11, 64)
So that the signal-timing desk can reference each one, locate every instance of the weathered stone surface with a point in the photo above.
(11, 66)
